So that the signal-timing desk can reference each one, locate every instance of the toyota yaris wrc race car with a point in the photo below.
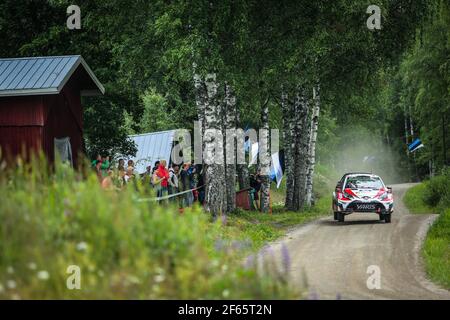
(362, 192)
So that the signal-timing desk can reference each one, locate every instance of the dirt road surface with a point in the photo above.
(332, 258)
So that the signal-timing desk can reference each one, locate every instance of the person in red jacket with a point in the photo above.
(161, 179)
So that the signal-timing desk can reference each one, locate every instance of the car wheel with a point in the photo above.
(341, 217)
(387, 218)
(336, 215)
(381, 216)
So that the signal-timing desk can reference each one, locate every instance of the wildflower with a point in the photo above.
(226, 293)
(32, 266)
(159, 278)
(82, 246)
(250, 262)
(215, 263)
(285, 258)
(133, 279)
(224, 268)
(43, 275)
(11, 284)
(219, 245)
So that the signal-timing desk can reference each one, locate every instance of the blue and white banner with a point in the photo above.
(415, 145)
(276, 172)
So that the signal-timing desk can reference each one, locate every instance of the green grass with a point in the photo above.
(436, 248)
(414, 199)
(125, 249)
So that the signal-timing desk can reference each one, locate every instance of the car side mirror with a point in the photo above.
(389, 189)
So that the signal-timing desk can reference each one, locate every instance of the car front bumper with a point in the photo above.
(359, 205)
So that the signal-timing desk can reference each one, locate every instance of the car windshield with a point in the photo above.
(364, 182)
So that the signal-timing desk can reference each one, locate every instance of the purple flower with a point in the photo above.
(219, 245)
(286, 259)
(250, 262)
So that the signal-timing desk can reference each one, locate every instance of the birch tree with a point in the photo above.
(264, 157)
(288, 135)
(301, 149)
(312, 145)
(242, 168)
(215, 195)
(229, 119)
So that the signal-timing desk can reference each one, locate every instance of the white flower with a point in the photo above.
(43, 275)
(215, 263)
(32, 266)
(10, 270)
(82, 246)
(133, 279)
(11, 284)
(226, 293)
(159, 278)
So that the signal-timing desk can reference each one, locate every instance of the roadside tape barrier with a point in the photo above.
(168, 196)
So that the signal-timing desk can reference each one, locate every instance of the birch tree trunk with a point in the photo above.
(264, 158)
(312, 146)
(229, 118)
(213, 151)
(287, 111)
(301, 150)
(242, 169)
(201, 100)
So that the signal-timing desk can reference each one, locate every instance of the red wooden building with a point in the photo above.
(40, 105)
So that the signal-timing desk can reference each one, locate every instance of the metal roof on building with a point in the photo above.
(41, 75)
(152, 147)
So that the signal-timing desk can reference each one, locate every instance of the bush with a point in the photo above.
(437, 191)
(414, 199)
(125, 249)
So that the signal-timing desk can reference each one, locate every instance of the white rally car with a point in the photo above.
(362, 192)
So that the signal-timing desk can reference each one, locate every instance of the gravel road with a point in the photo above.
(332, 259)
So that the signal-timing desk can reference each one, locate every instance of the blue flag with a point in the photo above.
(415, 145)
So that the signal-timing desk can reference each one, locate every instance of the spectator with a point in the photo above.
(155, 167)
(107, 182)
(186, 182)
(200, 184)
(255, 184)
(147, 176)
(161, 179)
(173, 180)
(96, 165)
(121, 181)
(129, 176)
(121, 166)
(105, 166)
(130, 164)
